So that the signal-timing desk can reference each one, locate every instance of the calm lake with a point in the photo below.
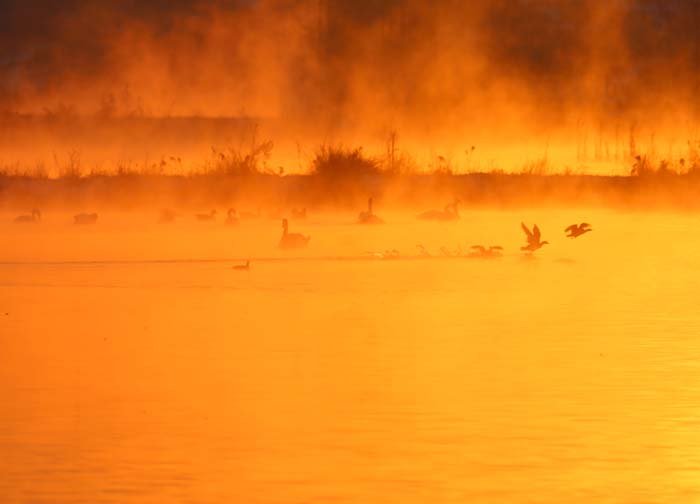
(136, 366)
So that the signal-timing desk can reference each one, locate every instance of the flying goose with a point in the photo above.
(576, 230)
(534, 238)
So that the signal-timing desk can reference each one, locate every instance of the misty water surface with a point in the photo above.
(138, 374)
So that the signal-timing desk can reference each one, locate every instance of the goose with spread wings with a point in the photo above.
(576, 230)
(534, 238)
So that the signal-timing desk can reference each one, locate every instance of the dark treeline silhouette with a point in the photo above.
(446, 59)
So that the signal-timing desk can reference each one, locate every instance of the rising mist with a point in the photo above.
(520, 80)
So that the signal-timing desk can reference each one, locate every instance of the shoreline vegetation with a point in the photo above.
(498, 190)
(336, 176)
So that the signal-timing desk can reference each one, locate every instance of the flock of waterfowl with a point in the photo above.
(35, 217)
(291, 241)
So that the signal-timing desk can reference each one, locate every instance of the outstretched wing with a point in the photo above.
(527, 231)
(571, 228)
(496, 247)
(584, 225)
(480, 248)
(536, 233)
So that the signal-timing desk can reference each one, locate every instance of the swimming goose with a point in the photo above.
(451, 212)
(34, 217)
(369, 217)
(243, 267)
(534, 241)
(292, 240)
(231, 217)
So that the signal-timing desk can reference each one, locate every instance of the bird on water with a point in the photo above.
(292, 240)
(368, 216)
(231, 217)
(243, 267)
(450, 213)
(32, 218)
(486, 253)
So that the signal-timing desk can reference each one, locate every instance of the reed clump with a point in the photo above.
(340, 162)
